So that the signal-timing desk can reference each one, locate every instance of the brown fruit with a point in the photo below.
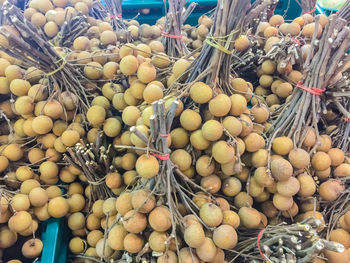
(201, 92)
(223, 152)
(13, 152)
(342, 170)
(337, 156)
(282, 203)
(299, 158)
(146, 72)
(340, 236)
(205, 165)
(160, 219)
(58, 207)
(321, 161)
(249, 217)
(263, 177)
(194, 235)
(241, 43)
(276, 20)
(182, 159)
(253, 142)
(190, 120)
(133, 243)
(143, 201)
(307, 185)
(116, 237)
(282, 145)
(207, 251)
(331, 190)
(220, 105)
(310, 139)
(281, 169)
(289, 187)
(134, 222)
(211, 214)
(225, 237)
(231, 186)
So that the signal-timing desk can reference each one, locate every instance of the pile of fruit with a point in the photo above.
(222, 142)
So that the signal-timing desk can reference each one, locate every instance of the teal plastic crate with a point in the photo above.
(55, 237)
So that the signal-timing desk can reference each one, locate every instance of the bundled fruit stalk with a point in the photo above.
(26, 43)
(247, 49)
(341, 128)
(213, 63)
(95, 161)
(302, 112)
(294, 243)
(70, 30)
(114, 8)
(308, 6)
(172, 31)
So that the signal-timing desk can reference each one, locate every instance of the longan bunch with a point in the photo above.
(279, 75)
(51, 15)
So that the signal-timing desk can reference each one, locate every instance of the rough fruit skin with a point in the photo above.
(194, 235)
(223, 152)
(116, 237)
(220, 105)
(129, 65)
(321, 161)
(281, 169)
(201, 92)
(299, 158)
(134, 222)
(282, 145)
(207, 250)
(182, 159)
(160, 219)
(249, 217)
(58, 207)
(211, 214)
(225, 237)
(147, 166)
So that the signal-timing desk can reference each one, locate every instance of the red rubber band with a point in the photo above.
(314, 91)
(162, 157)
(164, 135)
(258, 243)
(164, 34)
(118, 15)
(310, 12)
(296, 41)
(346, 119)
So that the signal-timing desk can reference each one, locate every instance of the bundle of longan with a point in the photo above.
(50, 16)
(285, 243)
(286, 47)
(174, 20)
(60, 76)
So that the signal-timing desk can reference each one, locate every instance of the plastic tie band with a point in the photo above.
(57, 69)
(296, 41)
(258, 243)
(314, 91)
(218, 46)
(162, 157)
(164, 135)
(164, 34)
(213, 41)
(117, 15)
